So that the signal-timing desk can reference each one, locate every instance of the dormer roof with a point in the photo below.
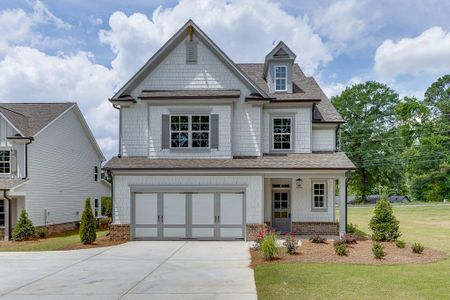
(280, 52)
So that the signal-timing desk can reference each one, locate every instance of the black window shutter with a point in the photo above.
(165, 139)
(214, 131)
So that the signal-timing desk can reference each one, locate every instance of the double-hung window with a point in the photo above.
(5, 161)
(2, 213)
(97, 212)
(282, 133)
(189, 131)
(319, 195)
(280, 78)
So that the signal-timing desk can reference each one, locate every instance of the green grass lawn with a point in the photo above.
(429, 225)
(59, 242)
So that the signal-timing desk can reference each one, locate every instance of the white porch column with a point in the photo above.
(342, 212)
(6, 203)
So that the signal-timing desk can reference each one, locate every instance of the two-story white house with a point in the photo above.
(49, 164)
(210, 149)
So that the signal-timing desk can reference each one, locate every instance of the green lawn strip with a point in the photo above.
(430, 225)
(60, 242)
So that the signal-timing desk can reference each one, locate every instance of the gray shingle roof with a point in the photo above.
(334, 160)
(9, 183)
(304, 88)
(189, 94)
(30, 118)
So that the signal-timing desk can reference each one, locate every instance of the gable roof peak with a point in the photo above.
(280, 52)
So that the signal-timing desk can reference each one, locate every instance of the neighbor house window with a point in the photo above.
(96, 207)
(189, 131)
(282, 132)
(2, 213)
(280, 78)
(319, 192)
(95, 173)
(5, 161)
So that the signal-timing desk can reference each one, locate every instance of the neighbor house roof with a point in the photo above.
(9, 183)
(188, 94)
(303, 89)
(332, 160)
(30, 118)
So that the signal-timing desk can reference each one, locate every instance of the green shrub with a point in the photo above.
(400, 243)
(106, 206)
(42, 232)
(384, 225)
(317, 239)
(268, 246)
(24, 228)
(378, 250)
(417, 248)
(88, 224)
(352, 228)
(341, 249)
(291, 243)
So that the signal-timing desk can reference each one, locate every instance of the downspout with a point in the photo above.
(5, 196)
(120, 129)
(26, 156)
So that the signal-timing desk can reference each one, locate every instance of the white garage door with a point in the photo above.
(190, 215)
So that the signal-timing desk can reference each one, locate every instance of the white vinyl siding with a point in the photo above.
(324, 139)
(61, 160)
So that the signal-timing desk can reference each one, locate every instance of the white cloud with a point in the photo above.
(341, 22)
(42, 15)
(245, 31)
(15, 27)
(427, 53)
(336, 88)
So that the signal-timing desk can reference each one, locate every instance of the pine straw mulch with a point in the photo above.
(360, 253)
(103, 241)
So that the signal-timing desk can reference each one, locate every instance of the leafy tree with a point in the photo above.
(88, 226)
(384, 225)
(24, 228)
(427, 157)
(369, 136)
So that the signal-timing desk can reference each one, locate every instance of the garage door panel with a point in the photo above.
(146, 232)
(146, 209)
(203, 232)
(203, 209)
(174, 232)
(230, 232)
(231, 209)
(174, 209)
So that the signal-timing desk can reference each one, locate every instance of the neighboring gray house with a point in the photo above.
(49, 164)
(210, 149)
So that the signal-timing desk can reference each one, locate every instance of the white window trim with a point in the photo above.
(10, 151)
(189, 131)
(275, 78)
(325, 196)
(273, 134)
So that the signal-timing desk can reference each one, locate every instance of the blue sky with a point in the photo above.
(76, 50)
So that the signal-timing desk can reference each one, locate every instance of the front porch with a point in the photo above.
(303, 204)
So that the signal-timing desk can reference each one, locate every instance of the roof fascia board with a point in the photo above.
(10, 123)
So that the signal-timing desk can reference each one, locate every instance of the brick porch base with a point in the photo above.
(252, 231)
(119, 232)
(323, 228)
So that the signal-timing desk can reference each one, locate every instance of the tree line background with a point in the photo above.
(399, 146)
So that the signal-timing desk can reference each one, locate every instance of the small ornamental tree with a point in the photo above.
(384, 225)
(24, 228)
(88, 224)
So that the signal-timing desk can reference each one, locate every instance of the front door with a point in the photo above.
(281, 211)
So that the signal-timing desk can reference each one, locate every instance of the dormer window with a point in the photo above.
(280, 78)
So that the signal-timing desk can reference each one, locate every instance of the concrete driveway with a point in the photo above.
(135, 270)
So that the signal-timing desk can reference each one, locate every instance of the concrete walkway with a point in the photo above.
(135, 270)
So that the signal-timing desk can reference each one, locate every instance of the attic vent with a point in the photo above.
(191, 52)
(281, 54)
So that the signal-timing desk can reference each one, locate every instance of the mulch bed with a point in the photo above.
(360, 253)
(100, 242)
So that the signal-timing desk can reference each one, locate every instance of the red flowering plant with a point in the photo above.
(260, 236)
(291, 243)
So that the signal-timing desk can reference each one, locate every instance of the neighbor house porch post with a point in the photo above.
(342, 204)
